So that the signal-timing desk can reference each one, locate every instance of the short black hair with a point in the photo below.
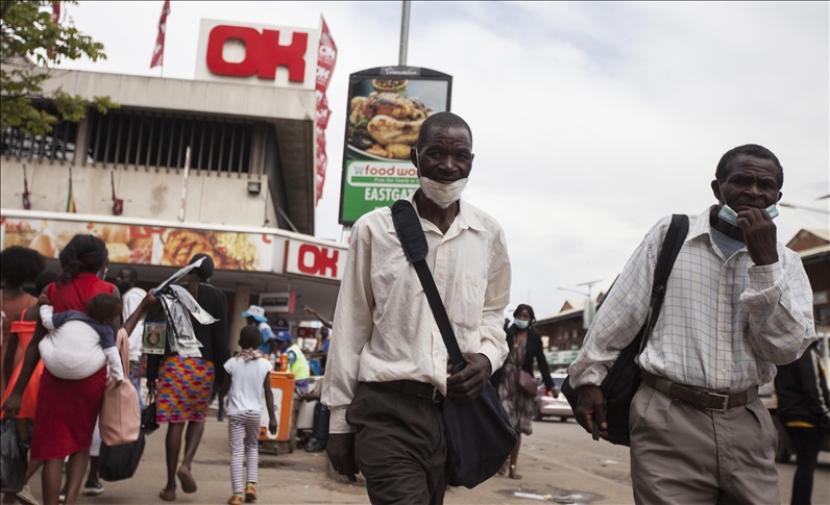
(528, 308)
(83, 253)
(442, 120)
(249, 337)
(104, 307)
(205, 271)
(754, 150)
(19, 265)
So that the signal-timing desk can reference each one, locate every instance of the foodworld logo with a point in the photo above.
(380, 174)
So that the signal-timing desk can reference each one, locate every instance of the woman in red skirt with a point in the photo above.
(66, 409)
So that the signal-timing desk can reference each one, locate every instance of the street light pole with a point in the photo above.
(405, 7)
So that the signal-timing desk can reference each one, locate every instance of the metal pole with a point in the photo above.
(183, 208)
(404, 32)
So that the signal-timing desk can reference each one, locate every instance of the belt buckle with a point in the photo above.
(724, 401)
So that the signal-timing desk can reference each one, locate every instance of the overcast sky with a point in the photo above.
(590, 120)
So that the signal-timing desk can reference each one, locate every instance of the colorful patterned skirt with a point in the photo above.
(183, 389)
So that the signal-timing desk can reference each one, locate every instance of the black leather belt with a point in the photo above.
(699, 397)
(410, 388)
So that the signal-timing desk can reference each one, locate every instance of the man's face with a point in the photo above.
(123, 281)
(750, 183)
(446, 154)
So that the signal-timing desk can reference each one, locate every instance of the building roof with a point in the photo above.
(809, 236)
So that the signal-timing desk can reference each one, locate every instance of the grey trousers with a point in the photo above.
(400, 446)
(687, 456)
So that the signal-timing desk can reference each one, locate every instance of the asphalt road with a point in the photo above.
(559, 464)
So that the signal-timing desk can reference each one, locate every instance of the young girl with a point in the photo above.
(248, 376)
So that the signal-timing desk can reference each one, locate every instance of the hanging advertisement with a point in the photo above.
(386, 108)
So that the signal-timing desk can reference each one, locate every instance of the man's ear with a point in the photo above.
(413, 157)
(716, 190)
(780, 194)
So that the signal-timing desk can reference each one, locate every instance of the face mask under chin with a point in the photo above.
(442, 194)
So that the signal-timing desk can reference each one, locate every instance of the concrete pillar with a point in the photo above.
(241, 301)
(81, 141)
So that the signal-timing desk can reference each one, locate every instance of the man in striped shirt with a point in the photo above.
(737, 304)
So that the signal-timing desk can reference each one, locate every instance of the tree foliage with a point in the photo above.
(31, 45)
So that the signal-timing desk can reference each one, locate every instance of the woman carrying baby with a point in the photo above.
(68, 408)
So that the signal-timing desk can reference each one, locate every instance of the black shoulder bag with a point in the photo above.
(623, 378)
(479, 434)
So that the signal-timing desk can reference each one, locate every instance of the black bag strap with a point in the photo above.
(675, 237)
(415, 248)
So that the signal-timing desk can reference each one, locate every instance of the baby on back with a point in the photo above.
(79, 344)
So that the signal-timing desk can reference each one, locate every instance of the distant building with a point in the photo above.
(814, 247)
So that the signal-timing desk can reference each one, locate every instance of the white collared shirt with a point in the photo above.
(725, 322)
(384, 329)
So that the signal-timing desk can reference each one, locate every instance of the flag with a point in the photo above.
(158, 51)
(326, 60)
(56, 11)
(70, 199)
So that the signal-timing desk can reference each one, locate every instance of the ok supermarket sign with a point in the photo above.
(257, 54)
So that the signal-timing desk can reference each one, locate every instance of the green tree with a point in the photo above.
(31, 45)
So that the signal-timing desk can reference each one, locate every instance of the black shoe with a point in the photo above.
(314, 445)
(93, 488)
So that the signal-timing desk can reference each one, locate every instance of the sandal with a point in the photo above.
(250, 492)
(513, 474)
(168, 494)
(187, 480)
(236, 499)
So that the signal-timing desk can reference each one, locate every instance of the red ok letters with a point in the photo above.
(263, 53)
(315, 260)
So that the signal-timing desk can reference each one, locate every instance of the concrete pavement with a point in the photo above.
(559, 464)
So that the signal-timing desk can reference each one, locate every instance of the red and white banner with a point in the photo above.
(326, 59)
(158, 50)
(314, 260)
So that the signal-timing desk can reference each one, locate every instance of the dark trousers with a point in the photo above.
(400, 446)
(320, 431)
(806, 442)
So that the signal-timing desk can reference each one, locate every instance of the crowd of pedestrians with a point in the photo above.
(729, 308)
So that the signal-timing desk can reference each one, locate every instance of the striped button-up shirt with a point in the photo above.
(725, 322)
(384, 329)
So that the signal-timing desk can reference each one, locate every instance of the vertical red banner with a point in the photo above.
(326, 59)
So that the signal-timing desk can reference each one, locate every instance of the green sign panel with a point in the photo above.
(387, 107)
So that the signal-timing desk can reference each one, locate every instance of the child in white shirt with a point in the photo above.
(248, 376)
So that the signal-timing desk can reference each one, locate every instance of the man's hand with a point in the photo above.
(151, 387)
(759, 235)
(12, 405)
(469, 382)
(272, 425)
(340, 448)
(590, 409)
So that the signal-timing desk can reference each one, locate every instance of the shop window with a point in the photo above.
(57, 144)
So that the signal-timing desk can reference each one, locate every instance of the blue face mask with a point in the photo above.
(728, 215)
(521, 324)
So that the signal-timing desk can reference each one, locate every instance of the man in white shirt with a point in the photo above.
(737, 304)
(131, 296)
(387, 365)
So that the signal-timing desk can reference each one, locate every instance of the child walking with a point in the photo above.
(248, 375)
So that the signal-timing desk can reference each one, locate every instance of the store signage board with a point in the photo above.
(281, 302)
(171, 246)
(257, 54)
(385, 109)
(314, 260)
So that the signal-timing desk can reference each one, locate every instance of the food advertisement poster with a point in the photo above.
(386, 108)
(145, 245)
